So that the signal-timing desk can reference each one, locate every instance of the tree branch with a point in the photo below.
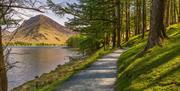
(14, 6)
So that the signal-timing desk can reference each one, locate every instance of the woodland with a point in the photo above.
(148, 29)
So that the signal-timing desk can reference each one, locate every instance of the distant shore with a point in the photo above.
(18, 43)
(38, 46)
(58, 46)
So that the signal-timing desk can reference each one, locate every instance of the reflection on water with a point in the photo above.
(34, 61)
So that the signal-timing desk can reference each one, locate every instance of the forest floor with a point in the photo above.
(156, 70)
(100, 76)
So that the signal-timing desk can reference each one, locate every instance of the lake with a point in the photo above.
(34, 61)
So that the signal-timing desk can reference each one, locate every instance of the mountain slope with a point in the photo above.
(42, 29)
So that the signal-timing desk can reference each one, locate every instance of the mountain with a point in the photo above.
(42, 29)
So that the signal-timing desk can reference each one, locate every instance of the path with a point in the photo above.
(100, 76)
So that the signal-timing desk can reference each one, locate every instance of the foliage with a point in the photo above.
(157, 70)
(98, 20)
(75, 41)
(91, 20)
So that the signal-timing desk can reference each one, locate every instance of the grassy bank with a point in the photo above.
(49, 82)
(157, 70)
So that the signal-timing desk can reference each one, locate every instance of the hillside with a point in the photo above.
(157, 70)
(41, 29)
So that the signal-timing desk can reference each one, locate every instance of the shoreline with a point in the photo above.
(48, 81)
(63, 47)
(27, 52)
(38, 46)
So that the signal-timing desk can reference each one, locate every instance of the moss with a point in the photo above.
(157, 70)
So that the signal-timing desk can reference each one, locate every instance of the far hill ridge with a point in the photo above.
(41, 29)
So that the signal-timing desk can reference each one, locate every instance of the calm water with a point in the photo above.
(34, 61)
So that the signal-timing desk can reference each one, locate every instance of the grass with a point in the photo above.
(50, 81)
(157, 70)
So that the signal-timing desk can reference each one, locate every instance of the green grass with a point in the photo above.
(157, 70)
(50, 81)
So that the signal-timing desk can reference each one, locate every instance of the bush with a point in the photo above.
(85, 44)
(75, 41)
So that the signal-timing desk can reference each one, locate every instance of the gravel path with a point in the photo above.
(100, 76)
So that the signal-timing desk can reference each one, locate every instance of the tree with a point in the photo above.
(127, 19)
(144, 19)
(179, 11)
(116, 11)
(157, 31)
(167, 13)
(118, 17)
(100, 20)
(7, 9)
(138, 17)
(3, 77)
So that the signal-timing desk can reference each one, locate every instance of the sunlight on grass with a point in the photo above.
(157, 70)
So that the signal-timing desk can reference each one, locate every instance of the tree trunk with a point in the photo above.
(179, 12)
(137, 20)
(139, 17)
(114, 32)
(167, 13)
(118, 23)
(157, 32)
(114, 37)
(3, 77)
(144, 19)
(174, 11)
(127, 19)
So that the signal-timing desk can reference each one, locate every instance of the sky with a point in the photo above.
(49, 13)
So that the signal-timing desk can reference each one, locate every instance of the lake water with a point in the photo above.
(34, 61)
